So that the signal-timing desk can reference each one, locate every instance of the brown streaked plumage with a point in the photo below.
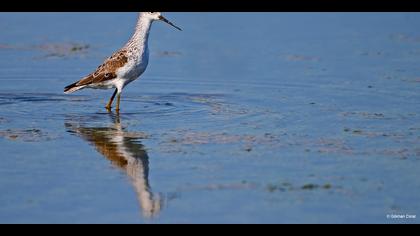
(105, 72)
(125, 65)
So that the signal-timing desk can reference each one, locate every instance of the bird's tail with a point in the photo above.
(72, 88)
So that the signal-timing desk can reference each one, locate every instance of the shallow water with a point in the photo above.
(239, 118)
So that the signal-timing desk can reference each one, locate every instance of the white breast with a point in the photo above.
(135, 67)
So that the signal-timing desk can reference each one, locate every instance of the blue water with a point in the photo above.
(239, 118)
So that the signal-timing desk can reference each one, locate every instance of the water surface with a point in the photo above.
(239, 118)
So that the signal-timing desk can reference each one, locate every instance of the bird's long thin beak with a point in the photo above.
(170, 23)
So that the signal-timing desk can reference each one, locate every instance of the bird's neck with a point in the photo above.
(141, 34)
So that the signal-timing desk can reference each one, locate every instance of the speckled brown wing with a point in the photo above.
(104, 72)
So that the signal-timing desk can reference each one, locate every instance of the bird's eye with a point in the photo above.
(151, 12)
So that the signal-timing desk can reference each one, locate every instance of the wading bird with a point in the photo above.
(125, 65)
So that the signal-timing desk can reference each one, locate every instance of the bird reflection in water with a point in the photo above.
(125, 151)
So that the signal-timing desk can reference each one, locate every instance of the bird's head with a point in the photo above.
(158, 16)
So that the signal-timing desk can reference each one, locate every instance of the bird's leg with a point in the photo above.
(117, 109)
(108, 106)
